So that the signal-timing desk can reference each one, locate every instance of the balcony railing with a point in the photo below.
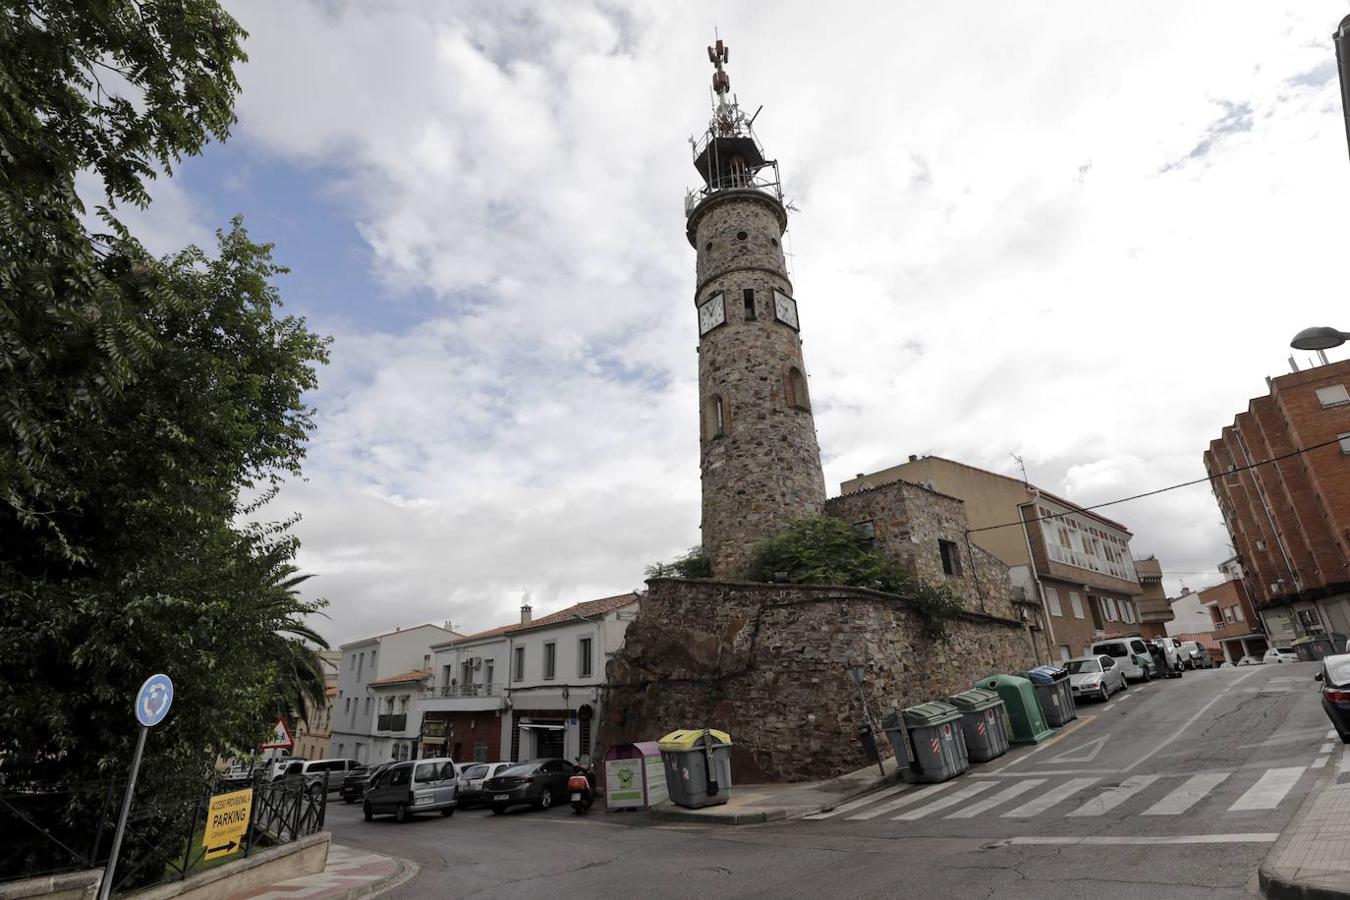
(465, 690)
(391, 722)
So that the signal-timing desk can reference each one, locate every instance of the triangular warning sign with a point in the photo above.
(281, 737)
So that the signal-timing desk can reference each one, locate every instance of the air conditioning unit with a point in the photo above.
(477, 663)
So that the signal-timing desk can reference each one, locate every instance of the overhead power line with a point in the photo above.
(1162, 490)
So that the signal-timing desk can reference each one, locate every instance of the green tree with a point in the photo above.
(149, 408)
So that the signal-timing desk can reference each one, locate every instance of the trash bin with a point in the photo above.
(928, 742)
(983, 722)
(698, 766)
(1055, 694)
(1019, 698)
(868, 740)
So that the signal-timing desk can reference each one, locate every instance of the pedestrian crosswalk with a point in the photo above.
(1082, 797)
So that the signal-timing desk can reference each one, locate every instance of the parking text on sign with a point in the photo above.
(226, 822)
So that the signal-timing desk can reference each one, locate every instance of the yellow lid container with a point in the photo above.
(688, 738)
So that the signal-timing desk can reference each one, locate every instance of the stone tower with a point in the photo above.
(758, 450)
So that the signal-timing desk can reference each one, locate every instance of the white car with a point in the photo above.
(1199, 656)
(1095, 676)
(1279, 655)
(1175, 655)
(1250, 661)
(471, 778)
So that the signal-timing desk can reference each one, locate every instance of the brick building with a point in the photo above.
(1076, 563)
(1290, 520)
(1236, 625)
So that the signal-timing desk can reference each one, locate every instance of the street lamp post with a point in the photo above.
(1320, 337)
(1341, 38)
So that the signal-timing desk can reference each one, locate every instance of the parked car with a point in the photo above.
(413, 786)
(1278, 655)
(1335, 678)
(355, 781)
(1123, 651)
(538, 783)
(471, 779)
(319, 772)
(275, 768)
(1249, 661)
(1200, 658)
(1095, 676)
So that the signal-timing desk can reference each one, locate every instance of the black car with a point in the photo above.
(538, 783)
(354, 782)
(1335, 678)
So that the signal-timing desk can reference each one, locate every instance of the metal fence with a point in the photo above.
(53, 828)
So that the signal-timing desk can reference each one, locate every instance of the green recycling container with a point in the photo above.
(928, 742)
(984, 722)
(1028, 722)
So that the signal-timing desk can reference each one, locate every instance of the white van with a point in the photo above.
(1124, 651)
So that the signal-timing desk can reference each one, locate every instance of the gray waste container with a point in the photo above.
(984, 723)
(1054, 694)
(928, 742)
(698, 766)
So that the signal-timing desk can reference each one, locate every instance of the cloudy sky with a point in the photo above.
(1081, 233)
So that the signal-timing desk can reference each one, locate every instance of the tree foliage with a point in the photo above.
(692, 565)
(826, 550)
(148, 407)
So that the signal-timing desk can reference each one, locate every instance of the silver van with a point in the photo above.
(1124, 651)
(414, 786)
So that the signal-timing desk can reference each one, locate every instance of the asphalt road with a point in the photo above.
(1173, 789)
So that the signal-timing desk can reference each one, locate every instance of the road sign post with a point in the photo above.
(152, 705)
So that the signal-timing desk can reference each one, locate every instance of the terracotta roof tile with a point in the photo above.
(414, 675)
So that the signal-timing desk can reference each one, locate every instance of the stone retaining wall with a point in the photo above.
(769, 664)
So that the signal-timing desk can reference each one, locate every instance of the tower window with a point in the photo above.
(796, 390)
(742, 235)
(749, 295)
(717, 417)
(951, 557)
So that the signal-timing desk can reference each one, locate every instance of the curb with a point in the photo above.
(406, 870)
(1279, 886)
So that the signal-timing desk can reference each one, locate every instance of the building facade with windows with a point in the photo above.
(527, 690)
(1076, 563)
(364, 670)
(1235, 623)
(313, 731)
(1154, 610)
(1281, 476)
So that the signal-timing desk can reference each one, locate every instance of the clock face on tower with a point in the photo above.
(785, 309)
(711, 313)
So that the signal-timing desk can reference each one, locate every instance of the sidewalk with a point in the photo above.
(350, 873)
(751, 803)
(1311, 860)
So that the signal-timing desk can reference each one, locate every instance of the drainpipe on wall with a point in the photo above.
(1031, 564)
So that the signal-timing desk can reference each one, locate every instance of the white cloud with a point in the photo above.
(1077, 234)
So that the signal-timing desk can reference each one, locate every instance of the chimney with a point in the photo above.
(526, 613)
(913, 458)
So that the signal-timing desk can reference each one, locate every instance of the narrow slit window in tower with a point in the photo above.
(796, 390)
(717, 418)
(749, 295)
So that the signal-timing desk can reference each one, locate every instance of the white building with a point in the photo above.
(526, 690)
(376, 689)
(1190, 616)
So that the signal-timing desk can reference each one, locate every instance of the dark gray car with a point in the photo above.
(539, 783)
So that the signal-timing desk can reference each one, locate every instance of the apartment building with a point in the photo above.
(1154, 610)
(526, 690)
(371, 671)
(1289, 519)
(313, 731)
(1076, 562)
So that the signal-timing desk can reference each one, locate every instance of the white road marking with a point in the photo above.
(1178, 732)
(1331, 735)
(1319, 762)
(1269, 790)
(1112, 797)
(945, 802)
(1050, 798)
(1011, 792)
(1326, 748)
(860, 802)
(1192, 791)
(1084, 753)
(903, 800)
(1264, 837)
(1344, 765)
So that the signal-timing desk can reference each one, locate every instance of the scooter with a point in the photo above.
(582, 788)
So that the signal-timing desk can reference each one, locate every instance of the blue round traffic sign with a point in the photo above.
(154, 700)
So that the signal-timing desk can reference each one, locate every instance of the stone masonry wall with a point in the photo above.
(763, 469)
(908, 520)
(769, 664)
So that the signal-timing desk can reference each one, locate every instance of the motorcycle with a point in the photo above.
(582, 788)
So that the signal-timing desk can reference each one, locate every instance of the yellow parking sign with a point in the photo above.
(226, 822)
